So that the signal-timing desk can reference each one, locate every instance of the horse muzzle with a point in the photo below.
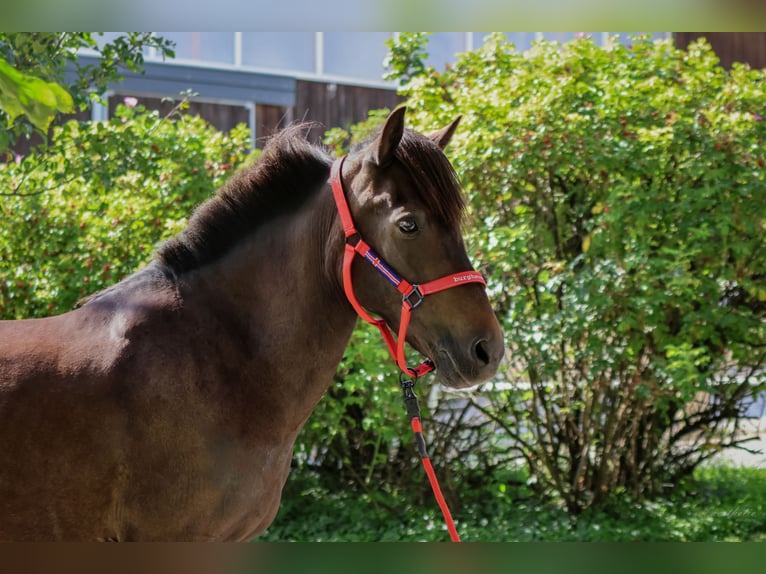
(468, 361)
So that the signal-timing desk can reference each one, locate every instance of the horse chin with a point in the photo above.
(449, 374)
(449, 371)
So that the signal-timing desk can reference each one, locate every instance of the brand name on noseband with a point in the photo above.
(466, 277)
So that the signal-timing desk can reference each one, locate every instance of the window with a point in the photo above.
(562, 37)
(279, 50)
(355, 54)
(522, 40)
(205, 46)
(106, 37)
(442, 47)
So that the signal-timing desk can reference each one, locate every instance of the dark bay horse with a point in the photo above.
(166, 406)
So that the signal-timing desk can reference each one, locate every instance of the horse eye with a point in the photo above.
(408, 226)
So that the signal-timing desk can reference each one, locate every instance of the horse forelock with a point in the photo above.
(283, 177)
(436, 183)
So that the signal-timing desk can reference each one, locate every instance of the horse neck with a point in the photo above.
(284, 287)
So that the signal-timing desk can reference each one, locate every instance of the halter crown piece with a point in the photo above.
(412, 295)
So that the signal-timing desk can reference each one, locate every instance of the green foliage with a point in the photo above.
(40, 101)
(82, 214)
(616, 197)
(616, 206)
(339, 139)
(715, 504)
(406, 56)
(34, 86)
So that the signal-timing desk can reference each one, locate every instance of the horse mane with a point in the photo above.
(283, 177)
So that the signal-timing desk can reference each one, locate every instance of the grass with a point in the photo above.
(715, 504)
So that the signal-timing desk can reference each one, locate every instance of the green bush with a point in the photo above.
(89, 209)
(616, 206)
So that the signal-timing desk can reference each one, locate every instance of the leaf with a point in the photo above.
(598, 208)
(23, 94)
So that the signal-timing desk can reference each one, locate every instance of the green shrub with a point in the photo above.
(617, 203)
(616, 206)
(90, 208)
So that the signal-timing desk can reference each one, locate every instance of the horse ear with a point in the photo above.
(386, 143)
(444, 135)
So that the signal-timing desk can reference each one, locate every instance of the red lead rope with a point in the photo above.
(413, 410)
(412, 297)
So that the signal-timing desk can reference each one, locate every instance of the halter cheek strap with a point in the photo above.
(412, 295)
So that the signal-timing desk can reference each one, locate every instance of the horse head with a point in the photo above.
(407, 205)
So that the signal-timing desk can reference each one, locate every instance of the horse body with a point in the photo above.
(167, 406)
(172, 402)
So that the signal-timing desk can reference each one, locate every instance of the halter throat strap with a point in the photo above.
(412, 294)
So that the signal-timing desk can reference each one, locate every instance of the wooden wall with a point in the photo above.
(730, 47)
(223, 117)
(337, 105)
(269, 119)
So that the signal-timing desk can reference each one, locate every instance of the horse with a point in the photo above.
(166, 407)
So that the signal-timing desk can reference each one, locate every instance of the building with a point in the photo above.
(268, 79)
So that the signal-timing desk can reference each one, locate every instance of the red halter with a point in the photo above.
(412, 295)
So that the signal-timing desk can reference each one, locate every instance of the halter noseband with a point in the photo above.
(412, 295)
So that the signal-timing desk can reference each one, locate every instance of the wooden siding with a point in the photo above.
(269, 119)
(327, 105)
(24, 145)
(730, 47)
(222, 117)
(338, 105)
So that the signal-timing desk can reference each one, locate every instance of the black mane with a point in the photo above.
(285, 175)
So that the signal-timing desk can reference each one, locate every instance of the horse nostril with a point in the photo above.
(481, 352)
